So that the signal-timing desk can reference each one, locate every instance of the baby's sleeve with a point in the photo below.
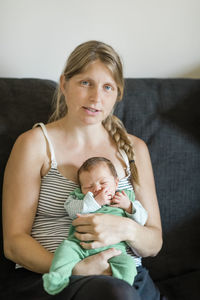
(139, 213)
(75, 206)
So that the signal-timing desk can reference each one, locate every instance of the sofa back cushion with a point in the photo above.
(23, 102)
(165, 113)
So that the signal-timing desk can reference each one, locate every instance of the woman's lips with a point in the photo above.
(91, 110)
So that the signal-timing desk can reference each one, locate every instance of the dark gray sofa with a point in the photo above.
(166, 114)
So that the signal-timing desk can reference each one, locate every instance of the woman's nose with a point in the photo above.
(95, 94)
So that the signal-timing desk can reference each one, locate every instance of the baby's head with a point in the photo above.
(97, 173)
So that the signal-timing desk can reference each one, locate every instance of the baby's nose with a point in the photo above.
(97, 187)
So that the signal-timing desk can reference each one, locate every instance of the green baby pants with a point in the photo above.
(69, 253)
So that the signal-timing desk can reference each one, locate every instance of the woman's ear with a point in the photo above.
(62, 83)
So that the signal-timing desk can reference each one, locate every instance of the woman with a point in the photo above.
(41, 172)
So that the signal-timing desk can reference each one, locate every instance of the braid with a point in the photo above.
(118, 132)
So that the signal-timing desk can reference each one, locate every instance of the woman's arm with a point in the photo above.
(20, 198)
(147, 240)
(105, 230)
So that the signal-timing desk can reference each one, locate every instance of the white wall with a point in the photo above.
(155, 38)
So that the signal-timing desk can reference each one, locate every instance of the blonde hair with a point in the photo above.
(78, 60)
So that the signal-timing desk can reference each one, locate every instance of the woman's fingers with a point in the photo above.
(85, 229)
(91, 245)
(99, 230)
(107, 254)
(96, 264)
(84, 236)
(81, 220)
(86, 219)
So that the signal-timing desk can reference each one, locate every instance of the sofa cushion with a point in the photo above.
(24, 102)
(166, 114)
(183, 287)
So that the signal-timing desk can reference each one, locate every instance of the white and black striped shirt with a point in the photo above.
(52, 223)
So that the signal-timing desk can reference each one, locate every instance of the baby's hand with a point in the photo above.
(121, 200)
(103, 197)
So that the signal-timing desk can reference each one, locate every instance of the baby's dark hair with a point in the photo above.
(93, 162)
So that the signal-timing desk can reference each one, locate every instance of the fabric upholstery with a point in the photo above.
(23, 102)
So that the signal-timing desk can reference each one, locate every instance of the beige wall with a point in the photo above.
(156, 38)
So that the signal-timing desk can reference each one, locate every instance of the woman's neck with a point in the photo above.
(83, 133)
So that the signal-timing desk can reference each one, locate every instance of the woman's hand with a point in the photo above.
(96, 264)
(100, 230)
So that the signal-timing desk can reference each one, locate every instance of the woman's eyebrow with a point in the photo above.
(84, 77)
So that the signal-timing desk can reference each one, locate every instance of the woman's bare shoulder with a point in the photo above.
(31, 142)
(32, 136)
(138, 144)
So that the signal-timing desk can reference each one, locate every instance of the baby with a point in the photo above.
(97, 193)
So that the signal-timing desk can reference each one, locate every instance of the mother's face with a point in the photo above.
(91, 94)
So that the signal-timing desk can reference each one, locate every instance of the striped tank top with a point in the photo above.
(52, 223)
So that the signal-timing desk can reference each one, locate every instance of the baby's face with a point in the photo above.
(98, 178)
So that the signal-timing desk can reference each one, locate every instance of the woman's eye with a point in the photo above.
(108, 88)
(85, 82)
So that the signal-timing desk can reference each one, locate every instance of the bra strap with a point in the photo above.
(125, 158)
(52, 153)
